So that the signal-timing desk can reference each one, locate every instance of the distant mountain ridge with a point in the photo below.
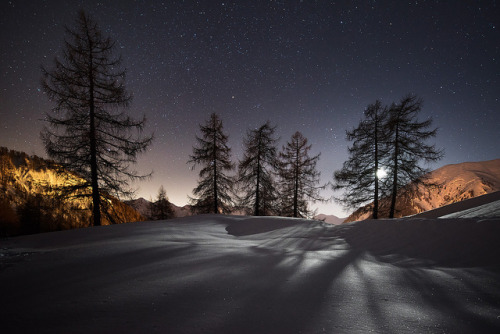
(144, 207)
(456, 183)
(330, 219)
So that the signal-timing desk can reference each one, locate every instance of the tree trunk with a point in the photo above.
(96, 198)
(375, 195)
(296, 186)
(395, 176)
(216, 200)
(257, 187)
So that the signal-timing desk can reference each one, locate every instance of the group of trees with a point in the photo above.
(89, 135)
(392, 140)
(92, 137)
(267, 182)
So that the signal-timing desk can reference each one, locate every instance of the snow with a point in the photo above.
(485, 206)
(237, 274)
(490, 210)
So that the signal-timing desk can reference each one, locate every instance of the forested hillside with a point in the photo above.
(29, 201)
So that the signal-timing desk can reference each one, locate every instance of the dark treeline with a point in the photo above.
(264, 182)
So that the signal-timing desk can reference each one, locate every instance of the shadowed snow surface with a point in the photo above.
(235, 274)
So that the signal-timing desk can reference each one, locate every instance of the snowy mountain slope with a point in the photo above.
(456, 183)
(484, 206)
(236, 274)
(462, 181)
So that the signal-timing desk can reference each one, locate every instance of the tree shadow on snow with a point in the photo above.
(450, 243)
(385, 276)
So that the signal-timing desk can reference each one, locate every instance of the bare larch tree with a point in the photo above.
(409, 146)
(299, 177)
(257, 171)
(360, 173)
(89, 134)
(213, 193)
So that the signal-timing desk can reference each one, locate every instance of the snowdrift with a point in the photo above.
(236, 274)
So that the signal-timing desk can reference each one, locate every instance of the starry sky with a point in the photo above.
(311, 66)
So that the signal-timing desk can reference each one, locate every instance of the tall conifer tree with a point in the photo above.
(213, 193)
(299, 177)
(360, 174)
(257, 169)
(89, 132)
(409, 147)
(162, 209)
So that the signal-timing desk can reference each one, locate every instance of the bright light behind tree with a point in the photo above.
(381, 173)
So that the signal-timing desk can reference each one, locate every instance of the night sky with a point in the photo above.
(311, 66)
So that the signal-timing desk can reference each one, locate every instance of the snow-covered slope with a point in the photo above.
(236, 274)
(455, 183)
(485, 206)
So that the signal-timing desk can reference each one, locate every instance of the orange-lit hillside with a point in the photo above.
(28, 203)
(455, 183)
